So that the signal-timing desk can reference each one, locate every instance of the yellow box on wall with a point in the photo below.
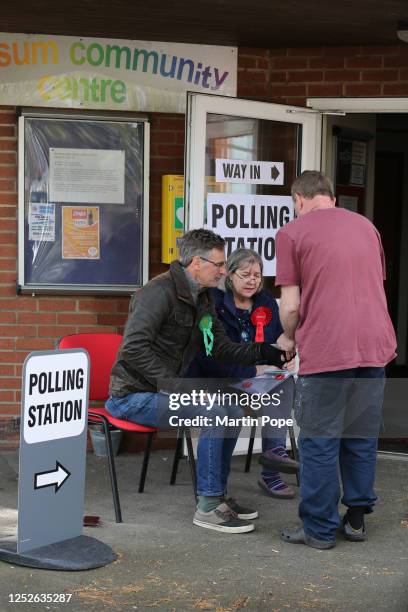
(172, 215)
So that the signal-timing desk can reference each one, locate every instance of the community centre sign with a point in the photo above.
(73, 72)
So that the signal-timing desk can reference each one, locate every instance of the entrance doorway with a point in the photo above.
(391, 218)
(366, 154)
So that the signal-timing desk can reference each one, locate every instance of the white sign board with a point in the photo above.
(55, 397)
(250, 221)
(106, 73)
(52, 448)
(95, 176)
(249, 172)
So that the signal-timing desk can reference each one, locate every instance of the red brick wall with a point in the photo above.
(166, 157)
(292, 75)
(276, 75)
(34, 323)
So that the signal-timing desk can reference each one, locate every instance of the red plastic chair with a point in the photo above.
(102, 350)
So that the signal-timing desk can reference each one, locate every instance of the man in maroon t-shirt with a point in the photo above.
(330, 266)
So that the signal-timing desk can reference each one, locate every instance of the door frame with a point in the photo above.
(198, 105)
(378, 105)
(358, 105)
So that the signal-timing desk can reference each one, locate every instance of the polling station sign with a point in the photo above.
(250, 222)
(52, 448)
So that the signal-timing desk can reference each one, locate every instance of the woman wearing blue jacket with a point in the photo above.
(237, 308)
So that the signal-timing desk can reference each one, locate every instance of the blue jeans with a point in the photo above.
(215, 453)
(271, 436)
(216, 443)
(339, 415)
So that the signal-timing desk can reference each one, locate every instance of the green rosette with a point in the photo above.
(206, 325)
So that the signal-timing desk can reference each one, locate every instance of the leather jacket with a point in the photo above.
(162, 336)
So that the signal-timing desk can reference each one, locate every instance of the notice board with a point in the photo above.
(83, 204)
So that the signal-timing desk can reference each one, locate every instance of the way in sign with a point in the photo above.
(239, 171)
(242, 171)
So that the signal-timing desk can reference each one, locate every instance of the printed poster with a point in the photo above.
(250, 221)
(80, 232)
(41, 222)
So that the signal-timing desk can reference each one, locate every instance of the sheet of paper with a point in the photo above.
(95, 176)
(264, 383)
(41, 222)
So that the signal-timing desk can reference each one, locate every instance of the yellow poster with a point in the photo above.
(80, 232)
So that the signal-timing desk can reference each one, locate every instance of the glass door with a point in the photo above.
(241, 159)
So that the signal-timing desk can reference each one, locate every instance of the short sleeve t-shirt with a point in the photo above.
(336, 258)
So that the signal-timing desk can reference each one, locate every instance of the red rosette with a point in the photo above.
(261, 317)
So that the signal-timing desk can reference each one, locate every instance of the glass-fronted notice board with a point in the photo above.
(83, 204)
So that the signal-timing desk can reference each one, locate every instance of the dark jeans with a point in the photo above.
(339, 415)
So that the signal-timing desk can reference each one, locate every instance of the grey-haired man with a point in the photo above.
(170, 320)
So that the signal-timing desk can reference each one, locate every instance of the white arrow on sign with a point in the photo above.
(51, 478)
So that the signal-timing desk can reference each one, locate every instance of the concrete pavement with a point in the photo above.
(166, 563)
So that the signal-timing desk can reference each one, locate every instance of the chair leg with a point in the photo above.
(177, 455)
(294, 450)
(145, 464)
(191, 460)
(250, 448)
(112, 472)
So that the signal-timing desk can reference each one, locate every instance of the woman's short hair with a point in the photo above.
(242, 258)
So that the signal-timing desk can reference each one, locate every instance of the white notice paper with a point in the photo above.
(41, 222)
(249, 222)
(359, 152)
(357, 175)
(94, 176)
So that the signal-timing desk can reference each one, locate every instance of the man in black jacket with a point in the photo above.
(170, 319)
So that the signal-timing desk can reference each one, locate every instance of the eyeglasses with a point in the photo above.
(217, 264)
(245, 276)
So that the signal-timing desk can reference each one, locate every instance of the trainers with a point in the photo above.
(222, 519)
(281, 492)
(242, 512)
(278, 463)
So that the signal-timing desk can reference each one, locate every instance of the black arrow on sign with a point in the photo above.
(274, 173)
(52, 478)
